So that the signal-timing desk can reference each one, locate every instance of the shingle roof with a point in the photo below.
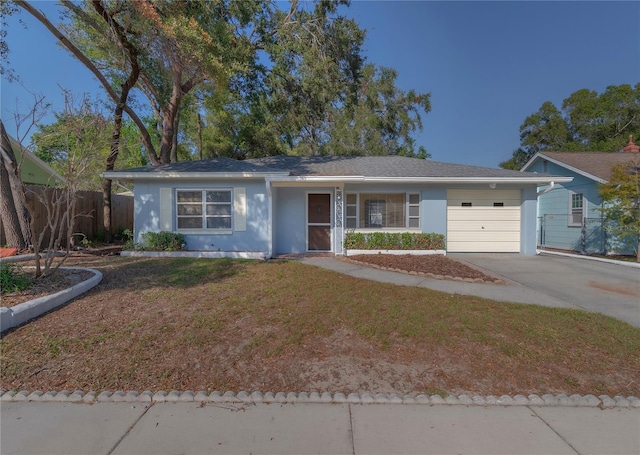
(286, 167)
(210, 165)
(377, 166)
(598, 164)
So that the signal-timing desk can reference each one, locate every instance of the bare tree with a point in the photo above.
(60, 203)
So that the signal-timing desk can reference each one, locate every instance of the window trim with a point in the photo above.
(407, 211)
(204, 216)
(572, 210)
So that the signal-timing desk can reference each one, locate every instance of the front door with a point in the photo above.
(319, 222)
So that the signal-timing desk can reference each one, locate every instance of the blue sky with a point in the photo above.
(487, 65)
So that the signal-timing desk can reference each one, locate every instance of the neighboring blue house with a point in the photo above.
(569, 214)
(289, 204)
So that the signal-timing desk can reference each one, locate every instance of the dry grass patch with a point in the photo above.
(163, 324)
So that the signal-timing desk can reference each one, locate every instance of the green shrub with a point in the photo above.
(126, 236)
(393, 241)
(162, 241)
(11, 280)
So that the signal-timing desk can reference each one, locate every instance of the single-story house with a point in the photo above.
(292, 204)
(570, 216)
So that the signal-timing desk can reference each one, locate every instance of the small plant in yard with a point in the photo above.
(11, 280)
(162, 241)
(127, 236)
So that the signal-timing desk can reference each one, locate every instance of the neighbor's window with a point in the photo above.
(576, 213)
(382, 210)
(204, 209)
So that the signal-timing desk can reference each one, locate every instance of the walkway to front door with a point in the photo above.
(319, 222)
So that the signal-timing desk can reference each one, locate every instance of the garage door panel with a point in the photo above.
(483, 198)
(479, 226)
(484, 236)
(484, 247)
(505, 214)
(483, 227)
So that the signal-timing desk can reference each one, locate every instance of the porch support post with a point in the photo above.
(268, 187)
(339, 225)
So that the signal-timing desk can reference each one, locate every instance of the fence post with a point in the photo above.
(583, 237)
(603, 227)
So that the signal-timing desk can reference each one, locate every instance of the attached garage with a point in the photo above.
(483, 221)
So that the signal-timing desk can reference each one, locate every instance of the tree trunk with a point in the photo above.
(9, 216)
(106, 210)
(199, 135)
(18, 206)
(117, 117)
(174, 143)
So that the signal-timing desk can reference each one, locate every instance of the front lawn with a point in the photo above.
(189, 324)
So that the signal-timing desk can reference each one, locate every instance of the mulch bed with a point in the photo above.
(431, 266)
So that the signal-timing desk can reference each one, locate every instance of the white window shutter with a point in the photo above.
(240, 208)
(166, 209)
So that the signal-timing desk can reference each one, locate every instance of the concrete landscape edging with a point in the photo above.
(589, 258)
(78, 396)
(23, 312)
(195, 254)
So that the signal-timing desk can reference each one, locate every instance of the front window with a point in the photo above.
(204, 209)
(382, 211)
(576, 213)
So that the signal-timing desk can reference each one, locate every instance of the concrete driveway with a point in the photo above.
(601, 287)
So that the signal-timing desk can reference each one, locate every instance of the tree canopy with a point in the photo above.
(243, 79)
(82, 132)
(621, 202)
(588, 121)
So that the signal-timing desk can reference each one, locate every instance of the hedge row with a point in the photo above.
(393, 241)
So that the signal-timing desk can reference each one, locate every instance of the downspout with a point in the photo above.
(540, 193)
(546, 190)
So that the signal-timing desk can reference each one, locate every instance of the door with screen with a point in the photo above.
(319, 222)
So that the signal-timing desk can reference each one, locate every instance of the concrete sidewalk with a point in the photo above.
(301, 428)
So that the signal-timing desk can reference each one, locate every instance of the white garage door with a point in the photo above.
(483, 221)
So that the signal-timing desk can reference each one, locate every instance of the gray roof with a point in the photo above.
(598, 164)
(377, 166)
(374, 167)
(210, 165)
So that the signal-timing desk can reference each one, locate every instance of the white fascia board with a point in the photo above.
(564, 165)
(531, 178)
(531, 161)
(187, 175)
(577, 171)
(313, 179)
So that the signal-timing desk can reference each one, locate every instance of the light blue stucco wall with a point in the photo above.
(528, 220)
(288, 230)
(433, 202)
(290, 218)
(256, 237)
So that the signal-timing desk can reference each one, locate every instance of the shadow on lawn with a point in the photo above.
(145, 273)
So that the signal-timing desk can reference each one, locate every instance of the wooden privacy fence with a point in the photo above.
(89, 206)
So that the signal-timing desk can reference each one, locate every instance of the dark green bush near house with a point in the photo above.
(393, 241)
(11, 280)
(161, 241)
